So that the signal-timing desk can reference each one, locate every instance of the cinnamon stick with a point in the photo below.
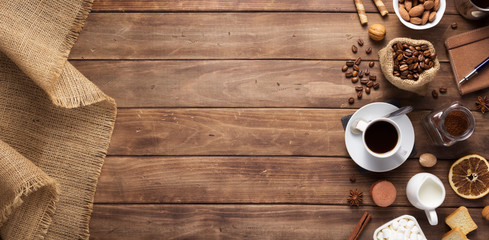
(361, 11)
(360, 226)
(382, 9)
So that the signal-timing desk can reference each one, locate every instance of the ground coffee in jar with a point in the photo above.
(450, 124)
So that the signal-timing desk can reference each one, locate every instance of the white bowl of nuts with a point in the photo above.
(419, 14)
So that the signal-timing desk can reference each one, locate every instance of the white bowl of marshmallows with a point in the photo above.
(404, 227)
(419, 14)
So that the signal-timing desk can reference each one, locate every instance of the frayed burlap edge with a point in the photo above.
(33, 185)
(69, 41)
(102, 153)
(419, 86)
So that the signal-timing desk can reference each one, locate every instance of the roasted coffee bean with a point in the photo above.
(351, 100)
(367, 90)
(443, 90)
(354, 49)
(354, 73)
(360, 42)
(354, 79)
(372, 77)
(359, 95)
(344, 68)
(358, 88)
(356, 68)
(358, 61)
(350, 63)
(454, 25)
(367, 72)
(376, 85)
(364, 81)
(349, 74)
(414, 60)
(434, 94)
(370, 83)
(371, 64)
(368, 50)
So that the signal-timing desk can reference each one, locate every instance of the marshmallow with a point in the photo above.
(380, 236)
(410, 224)
(387, 232)
(402, 222)
(395, 225)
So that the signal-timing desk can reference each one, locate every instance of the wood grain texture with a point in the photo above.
(243, 35)
(255, 221)
(306, 132)
(252, 83)
(235, 5)
(279, 180)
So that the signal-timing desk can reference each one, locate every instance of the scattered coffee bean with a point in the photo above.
(344, 68)
(356, 68)
(358, 88)
(367, 72)
(443, 90)
(360, 42)
(358, 61)
(372, 77)
(368, 50)
(359, 95)
(370, 84)
(364, 81)
(454, 25)
(434, 94)
(354, 49)
(360, 74)
(354, 73)
(350, 63)
(349, 74)
(376, 85)
(351, 100)
(354, 79)
(371, 64)
(367, 90)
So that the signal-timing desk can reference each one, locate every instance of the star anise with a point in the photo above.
(482, 104)
(355, 197)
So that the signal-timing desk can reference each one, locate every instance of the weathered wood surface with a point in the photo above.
(228, 124)
(279, 180)
(267, 131)
(252, 83)
(233, 221)
(249, 5)
(244, 35)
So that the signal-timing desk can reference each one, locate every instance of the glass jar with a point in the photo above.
(449, 124)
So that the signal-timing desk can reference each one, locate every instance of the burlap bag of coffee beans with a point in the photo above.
(418, 86)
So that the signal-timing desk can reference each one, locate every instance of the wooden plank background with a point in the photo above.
(228, 123)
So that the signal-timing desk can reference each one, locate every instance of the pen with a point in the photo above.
(476, 70)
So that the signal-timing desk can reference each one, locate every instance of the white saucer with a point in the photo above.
(354, 142)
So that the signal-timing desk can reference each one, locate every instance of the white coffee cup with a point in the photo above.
(381, 137)
(425, 191)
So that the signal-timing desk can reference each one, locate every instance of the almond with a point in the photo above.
(408, 4)
(437, 5)
(425, 17)
(416, 11)
(428, 5)
(416, 20)
(404, 14)
(432, 16)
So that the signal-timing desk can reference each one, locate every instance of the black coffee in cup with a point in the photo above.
(381, 137)
(481, 3)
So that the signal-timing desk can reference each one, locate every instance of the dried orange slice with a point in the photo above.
(469, 177)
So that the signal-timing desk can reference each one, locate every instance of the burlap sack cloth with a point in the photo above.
(55, 125)
(419, 86)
